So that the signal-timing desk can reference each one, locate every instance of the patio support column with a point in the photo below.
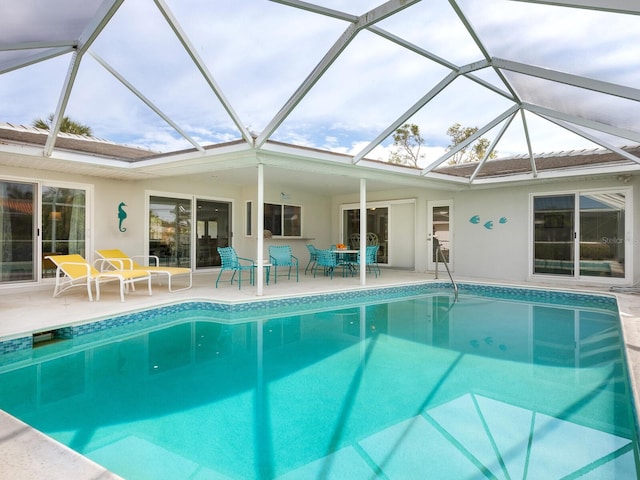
(363, 231)
(260, 232)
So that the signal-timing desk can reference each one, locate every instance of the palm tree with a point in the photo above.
(67, 126)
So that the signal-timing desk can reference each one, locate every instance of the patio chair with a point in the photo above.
(281, 257)
(74, 271)
(120, 261)
(372, 239)
(313, 258)
(328, 260)
(371, 259)
(232, 262)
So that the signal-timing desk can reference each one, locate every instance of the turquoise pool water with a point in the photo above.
(420, 387)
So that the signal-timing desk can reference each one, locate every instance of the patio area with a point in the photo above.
(28, 311)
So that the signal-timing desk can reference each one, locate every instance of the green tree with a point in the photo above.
(407, 142)
(67, 126)
(471, 153)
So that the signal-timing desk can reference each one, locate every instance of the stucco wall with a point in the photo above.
(103, 221)
(498, 250)
(489, 248)
(316, 221)
(501, 252)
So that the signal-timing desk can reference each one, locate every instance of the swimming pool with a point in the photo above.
(503, 383)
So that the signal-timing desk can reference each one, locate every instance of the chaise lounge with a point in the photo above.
(118, 260)
(74, 271)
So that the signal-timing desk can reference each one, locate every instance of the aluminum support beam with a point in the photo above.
(54, 128)
(200, 65)
(527, 137)
(260, 232)
(364, 21)
(480, 45)
(146, 101)
(592, 138)
(583, 122)
(464, 70)
(491, 148)
(618, 6)
(472, 138)
(37, 57)
(363, 232)
(310, 7)
(104, 14)
(406, 115)
(568, 79)
(392, 38)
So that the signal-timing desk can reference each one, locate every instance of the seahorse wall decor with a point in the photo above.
(121, 216)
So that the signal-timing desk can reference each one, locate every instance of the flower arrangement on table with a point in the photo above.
(341, 246)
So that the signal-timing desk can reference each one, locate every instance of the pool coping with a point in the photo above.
(295, 303)
(27, 453)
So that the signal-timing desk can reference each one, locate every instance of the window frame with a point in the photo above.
(248, 218)
(281, 217)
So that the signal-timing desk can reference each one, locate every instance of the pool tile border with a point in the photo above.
(269, 307)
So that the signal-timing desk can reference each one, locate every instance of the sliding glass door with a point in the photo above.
(213, 230)
(63, 220)
(17, 231)
(176, 231)
(554, 230)
(580, 234)
(377, 229)
(61, 223)
(170, 230)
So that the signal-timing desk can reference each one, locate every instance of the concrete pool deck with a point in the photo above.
(26, 453)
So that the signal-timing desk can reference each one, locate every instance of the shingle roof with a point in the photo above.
(11, 134)
(543, 162)
(22, 135)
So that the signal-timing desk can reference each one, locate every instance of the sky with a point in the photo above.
(259, 52)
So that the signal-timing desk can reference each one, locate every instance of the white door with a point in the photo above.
(439, 231)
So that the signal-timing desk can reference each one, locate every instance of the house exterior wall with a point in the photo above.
(399, 229)
(316, 221)
(498, 252)
(103, 220)
(504, 252)
(501, 252)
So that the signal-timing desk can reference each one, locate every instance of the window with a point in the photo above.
(291, 221)
(247, 231)
(279, 219)
(580, 234)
